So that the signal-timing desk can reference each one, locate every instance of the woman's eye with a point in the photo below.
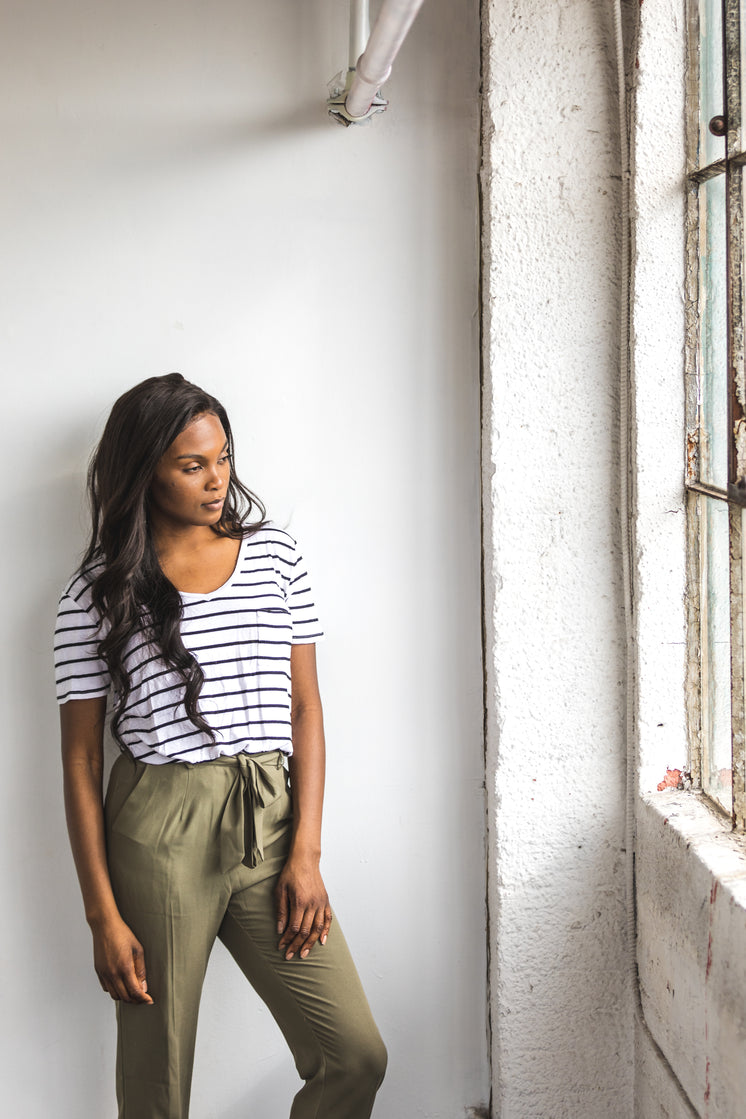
(191, 469)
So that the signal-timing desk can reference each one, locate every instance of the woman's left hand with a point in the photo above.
(303, 911)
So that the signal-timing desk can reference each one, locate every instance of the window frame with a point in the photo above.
(700, 492)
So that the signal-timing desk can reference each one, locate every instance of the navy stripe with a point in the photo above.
(178, 702)
(223, 711)
(228, 612)
(189, 632)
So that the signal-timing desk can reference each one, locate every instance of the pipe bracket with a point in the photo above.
(337, 102)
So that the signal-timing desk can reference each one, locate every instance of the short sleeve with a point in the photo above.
(79, 671)
(303, 613)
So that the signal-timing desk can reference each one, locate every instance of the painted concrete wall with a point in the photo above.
(692, 933)
(659, 158)
(175, 198)
(562, 1010)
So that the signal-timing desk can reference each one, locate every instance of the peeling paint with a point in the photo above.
(739, 435)
(671, 780)
(676, 779)
(692, 455)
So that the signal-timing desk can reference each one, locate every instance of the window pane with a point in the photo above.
(710, 78)
(713, 355)
(715, 639)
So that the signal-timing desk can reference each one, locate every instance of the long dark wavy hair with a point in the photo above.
(131, 593)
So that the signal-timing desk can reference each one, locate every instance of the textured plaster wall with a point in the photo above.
(562, 1021)
(174, 197)
(658, 382)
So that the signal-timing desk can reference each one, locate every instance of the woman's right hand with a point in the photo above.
(119, 961)
(117, 953)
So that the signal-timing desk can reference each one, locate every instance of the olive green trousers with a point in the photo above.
(194, 853)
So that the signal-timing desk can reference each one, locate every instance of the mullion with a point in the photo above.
(736, 391)
(734, 248)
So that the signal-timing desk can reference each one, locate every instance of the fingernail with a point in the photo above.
(304, 953)
(290, 955)
(323, 939)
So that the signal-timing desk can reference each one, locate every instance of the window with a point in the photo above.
(716, 402)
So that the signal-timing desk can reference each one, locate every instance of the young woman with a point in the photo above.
(199, 625)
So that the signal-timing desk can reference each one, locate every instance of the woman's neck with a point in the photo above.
(197, 561)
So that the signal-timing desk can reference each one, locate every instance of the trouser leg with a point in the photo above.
(318, 1003)
(155, 1044)
(173, 897)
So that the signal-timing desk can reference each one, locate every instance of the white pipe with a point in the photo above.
(374, 65)
(359, 29)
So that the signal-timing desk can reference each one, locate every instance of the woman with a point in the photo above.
(201, 625)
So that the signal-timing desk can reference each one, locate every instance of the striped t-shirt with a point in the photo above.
(240, 634)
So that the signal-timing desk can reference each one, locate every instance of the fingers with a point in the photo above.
(319, 931)
(327, 923)
(125, 980)
(283, 907)
(306, 926)
(139, 992)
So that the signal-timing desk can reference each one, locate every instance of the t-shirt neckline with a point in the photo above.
(199, 595)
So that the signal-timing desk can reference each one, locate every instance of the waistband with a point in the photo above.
(266, 757)
(275, 758)
(257, 781)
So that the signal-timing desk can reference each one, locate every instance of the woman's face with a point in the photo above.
(191, 479)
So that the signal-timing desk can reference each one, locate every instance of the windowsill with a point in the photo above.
(691, 945)
(707, 833)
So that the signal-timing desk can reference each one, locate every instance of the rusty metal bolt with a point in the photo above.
(718, 126)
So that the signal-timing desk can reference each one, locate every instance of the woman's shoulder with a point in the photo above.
(78, 586)
(272, 539)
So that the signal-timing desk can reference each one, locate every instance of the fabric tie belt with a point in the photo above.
(259, 780)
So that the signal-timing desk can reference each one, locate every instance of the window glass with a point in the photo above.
(710, 79)
(713, 355)
(715, 645)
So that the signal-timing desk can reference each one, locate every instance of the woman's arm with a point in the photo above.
(118, 955)
(303, 911)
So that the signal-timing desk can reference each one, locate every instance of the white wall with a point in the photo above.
(562, 1009)
(175, 198)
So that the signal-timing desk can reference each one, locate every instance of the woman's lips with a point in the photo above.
(216, 504)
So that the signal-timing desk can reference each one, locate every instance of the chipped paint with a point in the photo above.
(708, 969)
(692, 455)
(739, 438)
(672, 780)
